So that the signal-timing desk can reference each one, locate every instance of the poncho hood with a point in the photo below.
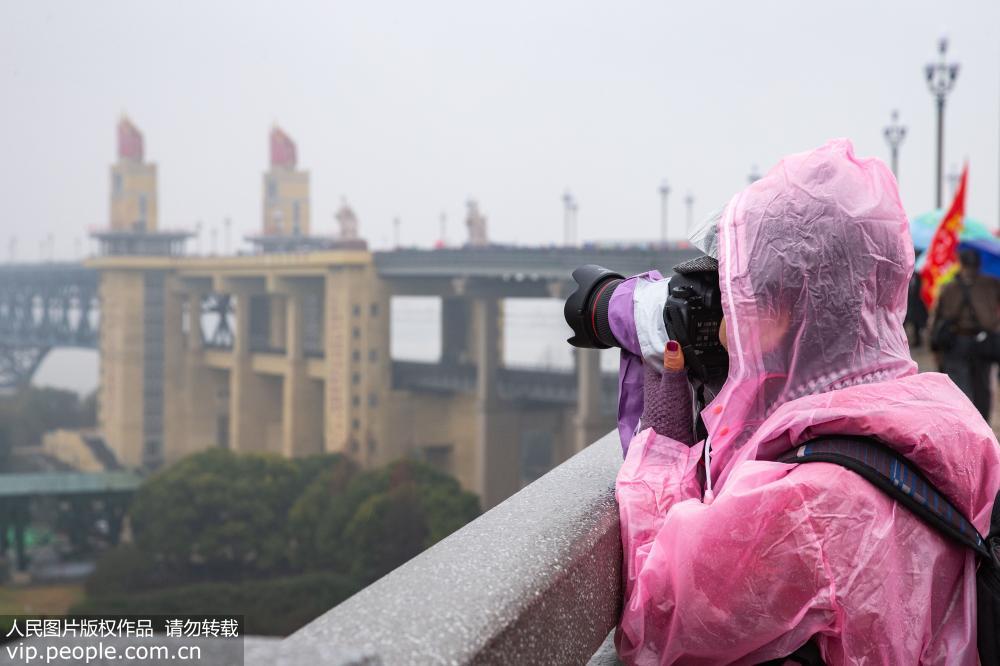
(814, 263)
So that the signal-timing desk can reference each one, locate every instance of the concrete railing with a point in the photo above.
(539, 385)
(535, 580)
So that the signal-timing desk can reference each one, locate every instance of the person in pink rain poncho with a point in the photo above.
(762, 557)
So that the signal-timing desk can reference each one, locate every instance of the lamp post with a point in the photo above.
(940, 80)
(894, 134)
(689, 202)
(664, 193)
(953, 176)
(754, 175)
(395, 233)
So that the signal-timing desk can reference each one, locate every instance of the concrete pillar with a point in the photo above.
(196, 388)
(122, 355)
(21, 513)
(302, 398)
(588, 426)
(195, 337)
(278, 308)
(455, 329)
(497, 437)
(247, 391)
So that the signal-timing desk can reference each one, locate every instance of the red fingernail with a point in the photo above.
(672, 346)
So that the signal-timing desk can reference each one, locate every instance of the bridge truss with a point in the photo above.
(43, 306)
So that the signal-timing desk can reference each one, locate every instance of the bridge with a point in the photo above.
(290, 353)
(43, 306)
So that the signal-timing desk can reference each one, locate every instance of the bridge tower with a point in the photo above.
(133, 183)
(286, 190)
(134, 307)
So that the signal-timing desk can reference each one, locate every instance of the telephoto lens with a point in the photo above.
(691, 308)
(586, 309)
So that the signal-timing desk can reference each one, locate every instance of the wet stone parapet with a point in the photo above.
(535, 580)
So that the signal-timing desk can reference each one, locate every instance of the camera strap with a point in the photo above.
(896, 477)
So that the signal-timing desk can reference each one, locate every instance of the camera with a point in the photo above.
(692, 314)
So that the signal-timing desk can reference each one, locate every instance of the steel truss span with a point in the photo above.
(43, 306)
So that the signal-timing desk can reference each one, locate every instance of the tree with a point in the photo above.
(31, 412)
(218, 517)
(378, 519)
(222, 516)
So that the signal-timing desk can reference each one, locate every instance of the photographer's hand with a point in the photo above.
(667, 398)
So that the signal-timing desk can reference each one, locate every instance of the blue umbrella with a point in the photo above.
(922, 229)
(989, 252)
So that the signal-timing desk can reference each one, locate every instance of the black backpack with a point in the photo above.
(901, 480)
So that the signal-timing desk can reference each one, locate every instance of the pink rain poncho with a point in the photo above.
(814, 264)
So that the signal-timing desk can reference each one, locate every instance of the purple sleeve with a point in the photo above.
(621, 316)
(621, 313)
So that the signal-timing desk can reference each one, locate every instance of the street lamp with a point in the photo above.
(894, 134)
(953, 176)
(940, 80)
(664, 193)
(689, 202)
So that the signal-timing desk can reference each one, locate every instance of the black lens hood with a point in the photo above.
(581, 303)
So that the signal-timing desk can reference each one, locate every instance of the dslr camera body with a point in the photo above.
(692, 314)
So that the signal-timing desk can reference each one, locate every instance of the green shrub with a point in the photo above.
(217, 515)
(124, 569)
(378, 519)
(224, 533)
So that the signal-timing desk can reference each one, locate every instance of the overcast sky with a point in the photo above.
(409, 108)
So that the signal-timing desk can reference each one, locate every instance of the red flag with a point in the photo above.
(942, 255)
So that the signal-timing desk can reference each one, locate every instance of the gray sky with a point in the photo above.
(409, 108)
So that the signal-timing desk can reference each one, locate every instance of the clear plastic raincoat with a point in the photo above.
(815, 259)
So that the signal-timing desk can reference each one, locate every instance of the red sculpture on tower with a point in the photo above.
(282, 149)
(129, 140)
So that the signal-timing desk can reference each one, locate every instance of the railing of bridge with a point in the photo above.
(528, 263)
(543, 385)
(535, 580)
